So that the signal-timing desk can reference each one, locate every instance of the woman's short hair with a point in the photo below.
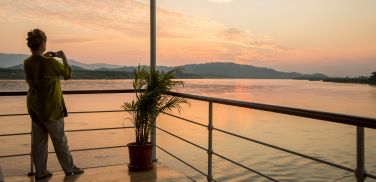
(35, 38)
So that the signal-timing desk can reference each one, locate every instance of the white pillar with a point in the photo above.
(153, 34)
(153, 65)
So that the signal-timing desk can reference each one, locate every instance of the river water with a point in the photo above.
(324, 140)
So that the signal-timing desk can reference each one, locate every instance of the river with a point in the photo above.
(324, 140)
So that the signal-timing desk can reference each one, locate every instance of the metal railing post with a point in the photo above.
(32, 172)
(360, 172)
(154, 140)
(210, 143)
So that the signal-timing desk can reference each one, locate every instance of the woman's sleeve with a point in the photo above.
(26, 73)
(61, 69)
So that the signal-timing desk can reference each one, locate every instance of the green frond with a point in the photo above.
(152, 101)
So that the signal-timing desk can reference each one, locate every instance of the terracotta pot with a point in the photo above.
(140, 157)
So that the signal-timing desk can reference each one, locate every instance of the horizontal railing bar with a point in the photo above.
(332, 117)
(371, 176)
(90, 112)
(286, 150)
(100, 129)
(71, 92)
(164, 150)
(14, 134)
(320, 115)
(78, 130)
(15, 93)
(196, 145)
(74, 112)
(116, 91)
(194, 122)
(245, 167)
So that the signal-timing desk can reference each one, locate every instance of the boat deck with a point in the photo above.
(1, 175)
(119, 173)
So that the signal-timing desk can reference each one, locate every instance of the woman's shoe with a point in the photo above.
(43, 175)
(75, 171)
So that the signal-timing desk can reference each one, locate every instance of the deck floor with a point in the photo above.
(113, 174)
(1, 175)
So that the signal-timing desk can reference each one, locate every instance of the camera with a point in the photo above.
(55, 54)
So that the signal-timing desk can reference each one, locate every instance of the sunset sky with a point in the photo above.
(335, 37)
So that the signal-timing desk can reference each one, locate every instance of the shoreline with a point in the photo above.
(351, 80)
(18, 74)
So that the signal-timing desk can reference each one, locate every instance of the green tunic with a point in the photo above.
(45, 102)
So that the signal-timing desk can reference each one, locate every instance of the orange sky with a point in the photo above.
(334, 37)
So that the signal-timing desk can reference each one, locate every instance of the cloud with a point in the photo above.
(187, 36)
(69, 40)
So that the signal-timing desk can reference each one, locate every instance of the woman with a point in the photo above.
(45, 104)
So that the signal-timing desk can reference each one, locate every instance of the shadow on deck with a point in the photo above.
(1, 175)
(119, 173)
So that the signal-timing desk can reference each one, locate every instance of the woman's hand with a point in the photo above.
(61, 55)
(49, 54)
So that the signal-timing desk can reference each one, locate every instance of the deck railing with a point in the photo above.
(358, 122)
(22, 93)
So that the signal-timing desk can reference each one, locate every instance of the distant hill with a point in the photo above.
(11, 62)
(19, 66)
(232, 70)
(74, 67)
(93, 66)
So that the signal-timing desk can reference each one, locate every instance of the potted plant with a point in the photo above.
(150, 86)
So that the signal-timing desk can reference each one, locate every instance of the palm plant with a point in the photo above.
(150, 86)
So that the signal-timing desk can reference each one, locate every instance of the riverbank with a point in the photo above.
(18, 74)
(361, 80)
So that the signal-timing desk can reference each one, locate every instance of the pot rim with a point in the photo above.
(134, 144)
